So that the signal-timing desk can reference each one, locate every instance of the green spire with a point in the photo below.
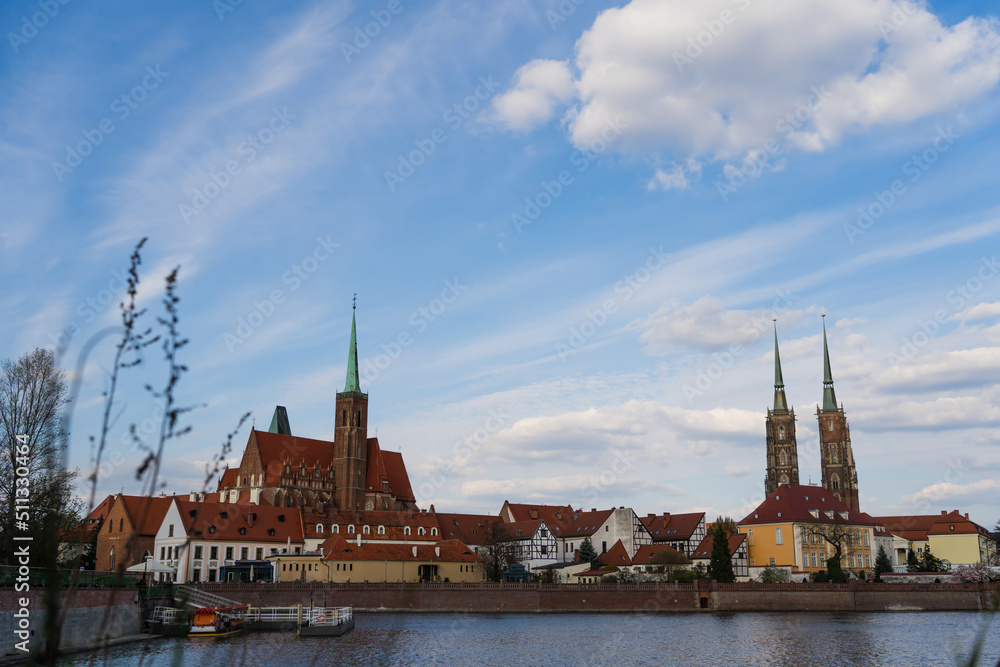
(779, 384)
(279, 422)
(352, 354)
(829, 398)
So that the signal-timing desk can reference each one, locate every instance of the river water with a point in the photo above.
(801, 639)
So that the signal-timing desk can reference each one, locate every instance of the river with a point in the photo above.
(777, 639)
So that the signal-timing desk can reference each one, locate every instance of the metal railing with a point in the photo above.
(314, 616)
(198, 598)
(163, 615)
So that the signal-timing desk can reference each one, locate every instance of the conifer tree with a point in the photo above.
(913, 563)
(882, 563)
(720, 567)
(588, 554)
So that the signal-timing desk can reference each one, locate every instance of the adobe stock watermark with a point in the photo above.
(122, 107)
(622, 462)
(88, 309)
(294, 277)
(363, 35)
(581, 332)
(759, 158)
(914, 167)
(723, 361)
(420, 319)
(223, 7)
(30, 25)
(902, 11)
(704, 39)
(247, 152)
(549, 191)
(562, 12)
(455, 116)
(463, 451)
(960, 296)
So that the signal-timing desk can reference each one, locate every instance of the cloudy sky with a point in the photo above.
(569, 226)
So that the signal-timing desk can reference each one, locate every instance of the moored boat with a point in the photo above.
(217, 621)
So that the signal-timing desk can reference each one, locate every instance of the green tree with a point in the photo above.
(882, 563)
(669, 563)
(726, 522)
(913, 563)
(840, 537)
(588, 554)
(932, 563)
(835, 570)
(720, 567)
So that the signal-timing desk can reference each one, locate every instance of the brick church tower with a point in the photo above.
(350, 435)
(836, 455)
(782, 451)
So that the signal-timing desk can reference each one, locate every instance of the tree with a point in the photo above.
(32, 398)
(726, 522)
(913, 563)
(840, 537)
(932, 563)
(773, 575)
(669, 563)
(720, 567)
(882, 563)
(978, 572)
(588, 554)
(500, 551)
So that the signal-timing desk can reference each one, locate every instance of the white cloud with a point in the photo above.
(800, 72)
(984, 491)
(676, 178)
(980, 311)
(540, 86)
(947, 368)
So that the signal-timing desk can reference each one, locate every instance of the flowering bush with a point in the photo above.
(974, 573)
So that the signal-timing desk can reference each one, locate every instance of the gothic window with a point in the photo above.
(343, 417)
(829, 424)
(359, 419)
(784, 459)
(833, 456)
(781, 432)
(835, 483)
(421, 530)
(784, 479)
(369, 504)
(406, 530)
(113, 559)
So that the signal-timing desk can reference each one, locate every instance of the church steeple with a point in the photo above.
(779, 384)
(829, 397)
(353, 384)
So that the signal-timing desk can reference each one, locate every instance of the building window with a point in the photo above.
(121, 525)
(814, 559)
(350, 530)
(381, 530)
(319, 528)
(260, 553)
(197, 552)
(163, 553)
(211, 575)
(336, 528)
(545, 550)
(604, 547)
(868, 560)
(113, 559)
(406, 530)
(170, 530)
(213, 553)
(784, 457)
(244, 553)
(196, 574)
(434, 531)
(421, 530)
(778, 538)
(229, 553)
(829, 424)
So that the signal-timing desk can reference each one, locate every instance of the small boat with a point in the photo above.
(217, 621)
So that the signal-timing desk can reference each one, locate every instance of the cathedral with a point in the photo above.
(350, 473)
(836, 456)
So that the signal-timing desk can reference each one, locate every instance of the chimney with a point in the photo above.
(944, 513)
(966, 515)
(593, 509)
(650, 516)
(192, 496)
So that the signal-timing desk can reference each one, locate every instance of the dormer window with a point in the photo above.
(434, 531)
(319, 528)
(350, 529)
(421, 530)
(406, 530)
(366, 530)
(381, 530)
(335, 528)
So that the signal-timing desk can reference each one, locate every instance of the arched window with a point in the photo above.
(319, 528)
(784, 459)
(335, 528)
(359, 418)
(366, 530)
(343, 417)
(781, 432)
(406, 530)
(434, 531)
(784, 479)
(381, 530)
(835, 483)
(350, 529)
(778, 537)
(833, 456)
(113, 560)
(421, 530)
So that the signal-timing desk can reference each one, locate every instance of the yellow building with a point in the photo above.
(341, 561)
(796, 527)
(951, 536)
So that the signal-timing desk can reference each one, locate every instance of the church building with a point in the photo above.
(351, 472)
(838, 472)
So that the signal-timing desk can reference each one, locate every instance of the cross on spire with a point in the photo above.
(355, 301)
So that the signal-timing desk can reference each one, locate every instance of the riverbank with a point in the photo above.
(702, 596)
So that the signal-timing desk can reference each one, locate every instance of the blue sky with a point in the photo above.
(569, 227)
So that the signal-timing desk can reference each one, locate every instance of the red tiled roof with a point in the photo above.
(101, 511)
(145, 513)
(393, 522)
(917, 527)
(270, 524)
(617, 555)
(521, 530)
(672, 527)
(794, 502)
(586, 523)
(395, 470)
(275, 448)
(704, 550)
(337, 548)
(228, 479)
(646, 552)
(469, 528)
(556, 517)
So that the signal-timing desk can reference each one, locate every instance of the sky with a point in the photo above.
(570, 226)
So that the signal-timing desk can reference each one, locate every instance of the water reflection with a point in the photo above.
(790, 639)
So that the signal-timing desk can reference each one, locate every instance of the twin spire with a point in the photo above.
(829, 397)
